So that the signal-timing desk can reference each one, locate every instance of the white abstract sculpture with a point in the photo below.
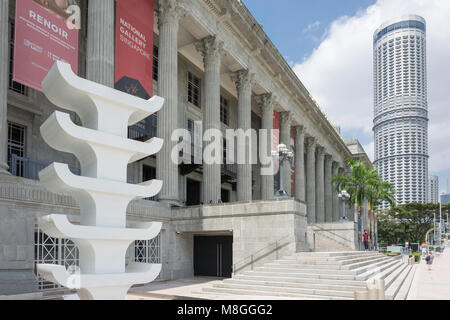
(104, 151)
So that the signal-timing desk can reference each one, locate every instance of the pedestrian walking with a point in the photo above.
(366, 239)
(429, 259)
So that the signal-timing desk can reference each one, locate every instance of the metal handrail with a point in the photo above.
(29, 169)
(258, 255)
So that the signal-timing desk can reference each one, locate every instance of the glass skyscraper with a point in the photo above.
(401, 108)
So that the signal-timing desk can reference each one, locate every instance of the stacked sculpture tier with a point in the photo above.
(104, 152)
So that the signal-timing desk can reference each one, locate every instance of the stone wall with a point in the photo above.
(335, 236)
(262, 230)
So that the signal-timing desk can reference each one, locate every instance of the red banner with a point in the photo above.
(276, 129)
(134, 47)
(42, 37)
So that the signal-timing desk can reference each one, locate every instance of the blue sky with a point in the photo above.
(328, 43)
(296, 26)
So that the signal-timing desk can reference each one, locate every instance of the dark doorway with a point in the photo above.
(148, 173)
(225, 195)
(213, 256)
(192, 192)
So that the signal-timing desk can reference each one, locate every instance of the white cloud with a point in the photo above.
(311, 26)
(339, 72)
(370, 150)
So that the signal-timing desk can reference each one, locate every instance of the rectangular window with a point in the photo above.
(155, 62)
(13, 85)
(193, 89)
(16, 144)
(224, 111)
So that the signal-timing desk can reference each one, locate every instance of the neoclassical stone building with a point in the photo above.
(213, 64)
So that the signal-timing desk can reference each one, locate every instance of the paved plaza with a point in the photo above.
(434, 284)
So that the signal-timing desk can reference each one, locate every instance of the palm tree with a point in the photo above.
(364, 183)
(378, 191)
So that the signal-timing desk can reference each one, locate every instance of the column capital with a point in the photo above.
(310, 144)
(211, 48)
(299, 130)
(335, 166)
(285, 118)
(320, 151)
(170, 12)
(243, 79)
(328, 159)
(266, 101)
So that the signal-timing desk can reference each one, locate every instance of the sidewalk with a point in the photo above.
(434, 284)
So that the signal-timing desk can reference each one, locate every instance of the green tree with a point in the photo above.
(364, 183)
(408, 223)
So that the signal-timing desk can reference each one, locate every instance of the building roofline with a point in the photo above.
(268, 45)
(398, 19)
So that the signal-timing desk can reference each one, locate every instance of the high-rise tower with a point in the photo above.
(401, 109)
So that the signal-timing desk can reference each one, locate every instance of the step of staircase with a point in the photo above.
(380, 272)
(299, 285)
(403, 292)
(318, 275)
(270, 293)
(395, 285)
(313, 263)
(300, 274)
(305, 280)
(324, 260)
(279, 290)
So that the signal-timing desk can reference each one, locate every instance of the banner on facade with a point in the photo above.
(42, 36)
(134, 47)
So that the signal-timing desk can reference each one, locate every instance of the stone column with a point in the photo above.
(211, 49)
(266, 101)
(4, 66)
(328, 189)
(100, 42)
(300, 186)
(285, 138)
(166, 170)
(311, 179)
(320, 185)
(334, 194)
(243, 80)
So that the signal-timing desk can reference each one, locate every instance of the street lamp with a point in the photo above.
(282, 154)
(344, 196)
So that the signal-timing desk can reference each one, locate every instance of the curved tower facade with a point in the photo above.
(401, 109)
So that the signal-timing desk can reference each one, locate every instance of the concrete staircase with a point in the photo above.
(319, 275)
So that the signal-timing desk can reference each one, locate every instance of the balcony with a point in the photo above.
(144, 130)
(29, 169)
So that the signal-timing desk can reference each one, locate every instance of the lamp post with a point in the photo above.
(344, 196)
(283, 154)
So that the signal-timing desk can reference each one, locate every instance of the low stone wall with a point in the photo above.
(262, 230)
(333, 236)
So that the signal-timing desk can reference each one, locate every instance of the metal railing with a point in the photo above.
(29, 169)
(138, 133)
(255, 257)
(144, 130)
